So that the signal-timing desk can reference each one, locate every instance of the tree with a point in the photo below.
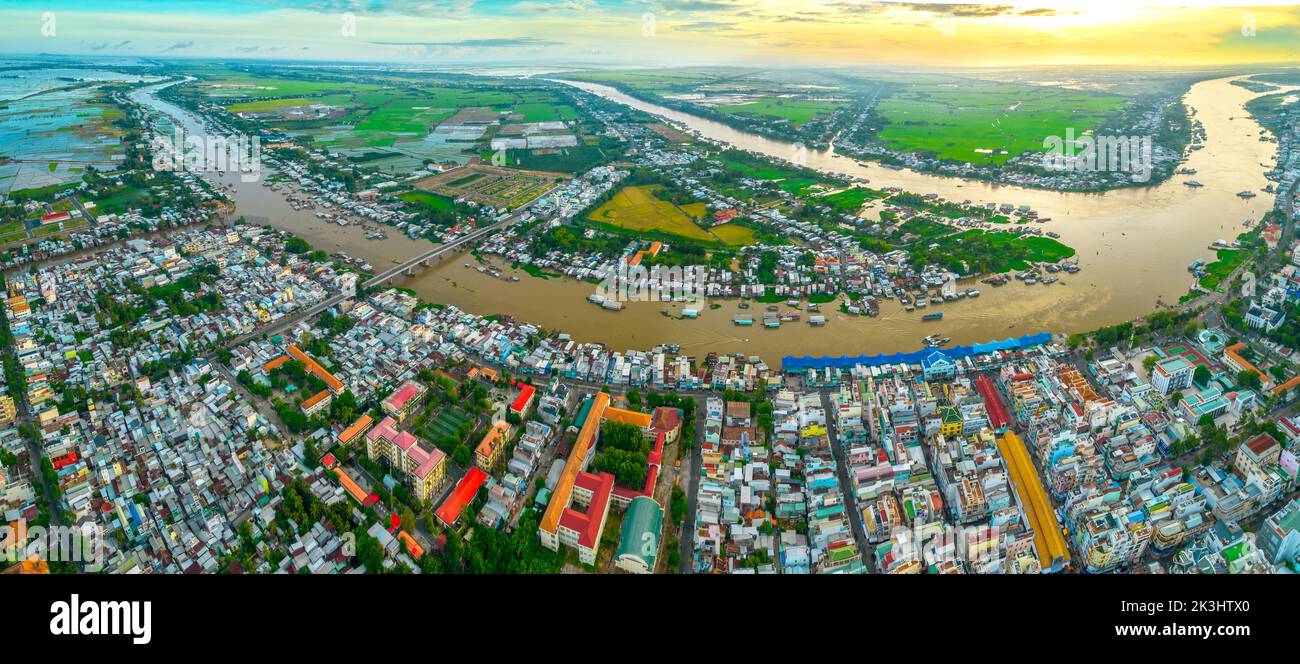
(678, 504)
(1249, 379)
(369, 552)
(462, 456)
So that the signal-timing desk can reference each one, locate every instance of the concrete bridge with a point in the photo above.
(412, 266)
(406, 268)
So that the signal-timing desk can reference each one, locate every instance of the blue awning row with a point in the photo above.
(792, 363)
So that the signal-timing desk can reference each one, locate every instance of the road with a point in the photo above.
(35, 452)
(692, 469)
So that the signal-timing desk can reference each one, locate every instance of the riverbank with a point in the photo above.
(1133, 247)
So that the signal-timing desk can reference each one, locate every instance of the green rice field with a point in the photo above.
(984, 122)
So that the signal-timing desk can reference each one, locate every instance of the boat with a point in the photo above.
(1246, 194)
(934, 316)
(972, 293)
(1193, 183)
(934, 341)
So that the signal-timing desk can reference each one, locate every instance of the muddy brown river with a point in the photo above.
(1133, 247)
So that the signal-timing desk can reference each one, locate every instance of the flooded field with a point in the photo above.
(50, 128)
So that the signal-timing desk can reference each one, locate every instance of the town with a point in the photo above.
(302, 364)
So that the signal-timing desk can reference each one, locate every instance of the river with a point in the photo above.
(1133, 247)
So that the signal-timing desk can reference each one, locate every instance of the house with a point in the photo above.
(1257, 454)
(667, 421)
(1264, 318)
(357, 428)
(738, 414)
(1279, 536)
(524, 400)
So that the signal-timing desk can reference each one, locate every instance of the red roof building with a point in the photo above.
(400, 403)
(583, 528)
(524, 401)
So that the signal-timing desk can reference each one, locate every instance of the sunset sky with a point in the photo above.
(666, 32)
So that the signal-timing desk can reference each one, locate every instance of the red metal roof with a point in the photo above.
(525, 396)
(449, 512)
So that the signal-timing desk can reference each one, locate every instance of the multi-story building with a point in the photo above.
(424, 469)
(1172, 374)
(1279, 537)
(403, 400)
(492, 446)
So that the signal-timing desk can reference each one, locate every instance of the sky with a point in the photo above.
(1148, 33)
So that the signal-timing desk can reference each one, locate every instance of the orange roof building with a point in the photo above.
(562, 496)
(485, 373)
(1233, 355)
(493, 444)
(412, 547)
(1290, 383)
(316, 402)
(623, 416)
(359, 427)
(273, 364)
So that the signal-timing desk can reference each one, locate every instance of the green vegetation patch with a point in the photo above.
(985, 122)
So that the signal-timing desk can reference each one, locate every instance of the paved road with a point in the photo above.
(846, 487)
(35, 453)
(692, 470)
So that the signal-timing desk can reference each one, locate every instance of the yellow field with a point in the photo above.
(636, 208)
(735, 234)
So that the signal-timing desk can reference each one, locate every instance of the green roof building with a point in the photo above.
(638, 543)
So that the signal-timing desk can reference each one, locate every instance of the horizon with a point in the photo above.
(627, 33)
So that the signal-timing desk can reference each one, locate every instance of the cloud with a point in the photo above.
(543, 7)
(704, 26)
(446, 8)
(476, 43)
(100, 46)
(179, 46)
(670, 6)
(960, 10)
